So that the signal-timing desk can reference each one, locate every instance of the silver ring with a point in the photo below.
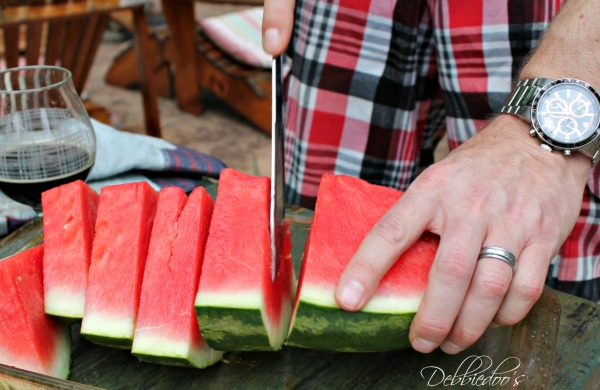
(495, 252)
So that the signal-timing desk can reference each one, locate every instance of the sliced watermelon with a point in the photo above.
(238, 305)
(69, 218)
(120, 247)
(347, 208)
(166, 330)
(29, 339)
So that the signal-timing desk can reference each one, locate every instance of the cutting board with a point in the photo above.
(525, 353)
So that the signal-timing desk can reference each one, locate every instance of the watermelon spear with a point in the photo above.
(349, 208)
(30, 339)
(69, 218)
(239, 306)
(166, 329)
(122, 231)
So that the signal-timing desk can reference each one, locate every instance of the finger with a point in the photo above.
(448, 282)
(278, 21)
(399, 228)
(490, 283)
(527, 284)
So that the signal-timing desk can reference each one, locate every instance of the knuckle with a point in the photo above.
(504, 319)
(492, 286)
(435, 330)
(365, 267)
(455, 266)
(428, 179)
(526, 294)
(528, 291)
(463, 337)
(390, 229)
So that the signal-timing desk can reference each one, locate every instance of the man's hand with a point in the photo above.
(278, 21)
(498, 189)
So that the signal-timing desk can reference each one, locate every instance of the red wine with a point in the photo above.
(27, 171)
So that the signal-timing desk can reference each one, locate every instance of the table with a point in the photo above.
(558, 346)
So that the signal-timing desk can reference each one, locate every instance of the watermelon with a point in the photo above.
(69, 217)
(166, 329)
(30, 339)
(122, 232)
(238, 305)
(346, 210)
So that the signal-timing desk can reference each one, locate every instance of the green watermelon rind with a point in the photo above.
(236, 321)
(162, 350)
(333, 329)
(108, 341)
(233, 329)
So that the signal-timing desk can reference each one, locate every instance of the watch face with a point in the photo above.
(566, 113)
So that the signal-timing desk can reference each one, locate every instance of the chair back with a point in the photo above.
(51, 32)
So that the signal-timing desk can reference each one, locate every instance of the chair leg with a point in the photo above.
(144, 60)
(181, 21)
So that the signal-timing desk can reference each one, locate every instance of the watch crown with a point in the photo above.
(532, 132)
(546, 147)
(567, 152)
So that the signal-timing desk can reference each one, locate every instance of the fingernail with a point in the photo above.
(351, 294)
(424, 346)
(450, 348)
(272, 40)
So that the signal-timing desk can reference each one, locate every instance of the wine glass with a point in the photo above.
(46, 136)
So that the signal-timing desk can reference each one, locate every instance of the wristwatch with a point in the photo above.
(564, 114)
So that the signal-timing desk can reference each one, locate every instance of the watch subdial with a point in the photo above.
(568, 127)
(580, 108)
(556, 107)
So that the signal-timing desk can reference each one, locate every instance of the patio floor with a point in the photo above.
(219, 131)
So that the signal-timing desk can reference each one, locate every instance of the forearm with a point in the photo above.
(569, 50)
(570, 46)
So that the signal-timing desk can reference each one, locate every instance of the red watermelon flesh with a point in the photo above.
(166, 330)
(122, 232)
(29, 339)
(238, 305)
(69, 218)
(347, 209)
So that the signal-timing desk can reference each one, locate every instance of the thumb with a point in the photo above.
(278, 21)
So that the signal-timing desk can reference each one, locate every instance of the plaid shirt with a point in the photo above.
(374, 85)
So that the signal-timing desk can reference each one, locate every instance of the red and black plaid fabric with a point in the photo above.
(374, 85)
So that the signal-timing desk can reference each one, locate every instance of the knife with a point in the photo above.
(277, 167)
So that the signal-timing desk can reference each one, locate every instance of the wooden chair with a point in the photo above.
(68, 33)
(199, 64)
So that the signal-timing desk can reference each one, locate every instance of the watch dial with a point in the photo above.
(567, 113)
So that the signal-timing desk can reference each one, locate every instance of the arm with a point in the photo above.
(499, 188)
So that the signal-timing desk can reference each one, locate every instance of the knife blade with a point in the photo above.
(277, 210)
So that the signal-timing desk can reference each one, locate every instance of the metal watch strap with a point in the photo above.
(519, 101)
(592, 150)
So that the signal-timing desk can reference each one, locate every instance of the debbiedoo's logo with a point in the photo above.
(476, 371)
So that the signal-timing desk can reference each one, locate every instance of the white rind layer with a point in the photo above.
(64, 302)
(63, 354)
(104, 325)
(165, 347)
(248, 299)
(324, 296)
